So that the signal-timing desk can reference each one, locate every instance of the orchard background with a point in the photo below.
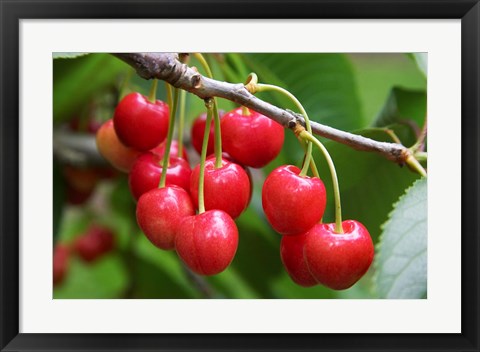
(380, 96)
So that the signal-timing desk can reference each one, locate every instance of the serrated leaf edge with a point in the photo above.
(378, 245)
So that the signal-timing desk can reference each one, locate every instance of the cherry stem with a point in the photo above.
(152, 96)
(415, 165)
(171, 125)
(245, 111)
(313, 167)
(204, 64)
(421, 156)
(391, 133)
(420, 143)
(336, 189)
(218, 136)
(181, 122)
(201, 178)
(218, 132)
(308, 154)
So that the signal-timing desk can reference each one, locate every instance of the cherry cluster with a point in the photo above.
(134, 141)
(193, 211)
(93, 244)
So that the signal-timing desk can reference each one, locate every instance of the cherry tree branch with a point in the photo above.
(167, 67)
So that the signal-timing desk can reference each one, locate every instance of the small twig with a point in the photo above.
(77, 149)
(419, 145)
(167, 67)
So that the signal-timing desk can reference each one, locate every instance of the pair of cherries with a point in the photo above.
(312, 252)
(206, 242)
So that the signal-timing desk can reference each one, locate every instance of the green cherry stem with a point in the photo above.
(201, 178)
(308, 155)
(313, 167)
(152, 96)
(218, 137)
(181, 121)
(171, 125)
(336, 189)
(204, 64)
(421, 156)
(218, 133)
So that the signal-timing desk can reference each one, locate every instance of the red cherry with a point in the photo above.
(253, 140)
(147, 170)
(108, 144)
(61, 254)
(160, 150)
(198, 130)
(291, 252)
(227, 157)
(226, 188)
(292, 203)
(207, 242)
(338, 260)
(80, 183)
(139, 123)
(159, 213)
(81, 179)
(96, 242)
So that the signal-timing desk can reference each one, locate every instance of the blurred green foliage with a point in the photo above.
(369, 94)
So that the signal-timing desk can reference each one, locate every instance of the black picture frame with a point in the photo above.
(13, 11)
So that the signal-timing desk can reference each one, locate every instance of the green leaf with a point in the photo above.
(401, 260)
(77, 81)
(231, 284)
(377, 73)
(403, 105)
(67, 55)
(158, 273)
(104, 278)
(324, 84)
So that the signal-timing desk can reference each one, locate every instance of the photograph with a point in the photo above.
(240, 175)
(237, 176)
